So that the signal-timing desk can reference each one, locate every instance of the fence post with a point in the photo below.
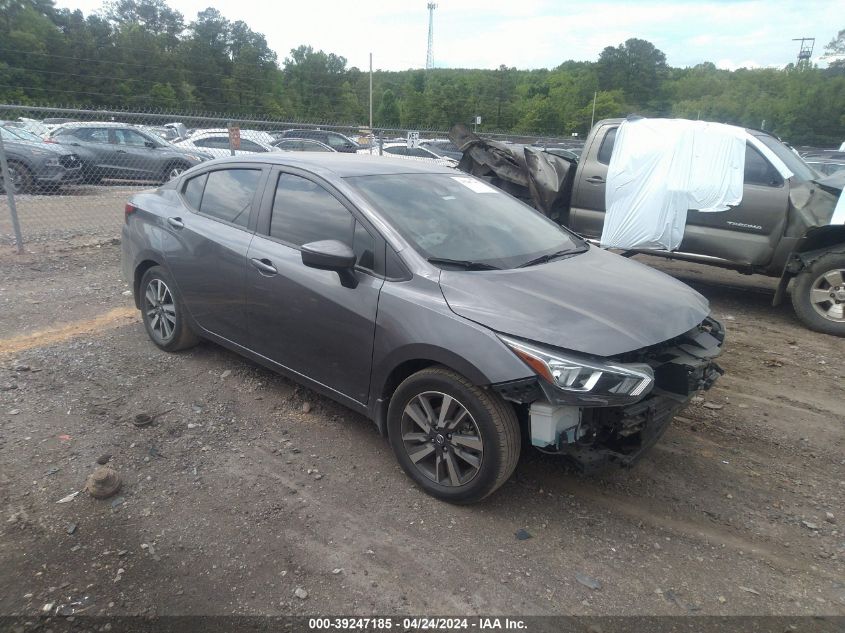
(10, 194)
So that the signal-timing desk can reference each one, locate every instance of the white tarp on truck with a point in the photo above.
(661, 168)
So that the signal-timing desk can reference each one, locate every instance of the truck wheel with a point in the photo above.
(819, 295)
(458, 442)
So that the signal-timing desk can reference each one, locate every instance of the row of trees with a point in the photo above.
(142, 54)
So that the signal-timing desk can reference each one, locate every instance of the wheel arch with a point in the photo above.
(815, 243)
(143, 266)
(407, 361)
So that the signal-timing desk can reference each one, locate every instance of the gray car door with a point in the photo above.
(749, 232)
(303, 318)
(96, 147)
(586, 216)
(207, 246)
(133, 158)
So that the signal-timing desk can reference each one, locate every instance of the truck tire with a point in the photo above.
(457, 441)
(819, 295)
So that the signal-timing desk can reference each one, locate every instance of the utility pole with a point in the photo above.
(9, 186)
(593, 118)
(371, 93)
(429, 58)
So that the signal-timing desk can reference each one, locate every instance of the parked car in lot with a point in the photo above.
(401, 150)
(444, 149)
(783, 227)
(454, 316)
(826, 167)
(34, 164)
(337, 141)
(118, 150)
(302, 145)
(216, 143)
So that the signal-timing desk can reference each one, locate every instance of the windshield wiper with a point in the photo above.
(463, 263)
(542, 259)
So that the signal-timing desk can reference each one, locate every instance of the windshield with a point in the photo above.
(464, 219)
(24, 134)
(794, 162)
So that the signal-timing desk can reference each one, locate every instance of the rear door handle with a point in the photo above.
(176, 223)
(120, 151)
(595, 180)
(264, 266)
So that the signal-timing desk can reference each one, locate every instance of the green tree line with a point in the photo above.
(144, 54)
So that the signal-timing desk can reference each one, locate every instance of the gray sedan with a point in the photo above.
(118, 150)
(34, 164)
(458, 319)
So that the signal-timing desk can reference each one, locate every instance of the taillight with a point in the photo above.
(128, 210)
(49, 140)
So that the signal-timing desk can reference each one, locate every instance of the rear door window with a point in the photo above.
(228, 195)
(251, 146)
(217, 142)
(92, 135)
(193, 190)
(606, 148)
(130, 137)
(336, 141)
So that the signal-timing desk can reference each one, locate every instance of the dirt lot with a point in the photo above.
(235, 496)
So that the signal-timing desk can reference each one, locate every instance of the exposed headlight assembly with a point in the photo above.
(584, 381)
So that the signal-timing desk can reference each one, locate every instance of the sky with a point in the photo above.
(532, 33)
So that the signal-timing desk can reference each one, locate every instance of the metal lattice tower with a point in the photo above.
(806, 50)
(429, 57)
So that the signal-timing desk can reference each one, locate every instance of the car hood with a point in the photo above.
(27, 145)
(593, 302)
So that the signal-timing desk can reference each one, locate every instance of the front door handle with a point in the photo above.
(120, 151)
(176, 223)
(596, 180)
(264, 266)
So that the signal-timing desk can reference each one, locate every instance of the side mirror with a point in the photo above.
(150, 145)
(331, 255)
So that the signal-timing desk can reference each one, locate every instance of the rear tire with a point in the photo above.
(459, 455)
(163, 312)
(818, 295)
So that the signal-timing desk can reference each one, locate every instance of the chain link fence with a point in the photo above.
(70, 171)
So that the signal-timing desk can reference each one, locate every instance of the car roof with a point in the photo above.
(340, 164)
(99, 124)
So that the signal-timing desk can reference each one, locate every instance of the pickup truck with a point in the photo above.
(781, 228)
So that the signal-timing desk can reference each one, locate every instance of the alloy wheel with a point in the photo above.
(160, 310)
(16, 177)
(827, 295)
(175, 172)
(442, 439)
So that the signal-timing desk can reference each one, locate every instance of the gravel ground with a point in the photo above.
(247, 488)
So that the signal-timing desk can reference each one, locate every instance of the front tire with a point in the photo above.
(21, 177)
(458, 442)
(172, 171)
(163, 312)
(819, 295)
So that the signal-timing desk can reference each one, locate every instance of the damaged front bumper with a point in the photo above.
(594, 436)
